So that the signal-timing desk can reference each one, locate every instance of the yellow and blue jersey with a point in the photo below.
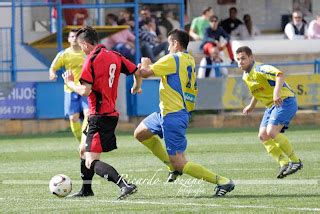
(69, 60)
(178, 87)
(261, 81)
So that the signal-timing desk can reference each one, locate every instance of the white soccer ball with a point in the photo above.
(60, 185)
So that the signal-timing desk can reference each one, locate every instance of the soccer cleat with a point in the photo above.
(282, 169)
(81, 194)
(221, 190)
(127, 190)
(293, 168)
(173, 176)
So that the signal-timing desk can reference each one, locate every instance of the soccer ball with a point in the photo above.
(60, 185)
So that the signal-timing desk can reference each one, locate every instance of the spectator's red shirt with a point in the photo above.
(102, 69)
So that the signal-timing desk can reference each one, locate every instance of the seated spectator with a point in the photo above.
(314, 28)
(151, 47)
(145, 14)
(200, 23)
(122, 42)
(126, 18)
(297, 28)
(168, 23)
(212, 58)
(246, 31)
(232, 22)
(212, 37)
(111, 19)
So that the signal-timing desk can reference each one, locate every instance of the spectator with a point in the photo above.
(111, 19)
(145, 14)
(126, 18)
(151, 46)
(232, 22)
(212, 37)
(122, 42)
(314, 28)
(74, 16)
(212, 58)
(200, 23)
(297, 28)
(168, 23)
(246, 31)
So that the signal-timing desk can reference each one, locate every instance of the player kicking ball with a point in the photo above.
(266, 84)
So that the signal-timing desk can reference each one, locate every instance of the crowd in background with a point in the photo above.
(214, 35)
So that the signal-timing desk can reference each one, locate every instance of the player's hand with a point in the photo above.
(136, 90)
(68, 76)
(145, 62)
(277, 100)
(248, 109)
(52, 75)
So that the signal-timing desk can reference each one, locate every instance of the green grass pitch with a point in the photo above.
(28, 163)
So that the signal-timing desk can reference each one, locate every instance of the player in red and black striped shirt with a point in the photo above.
(99, 81)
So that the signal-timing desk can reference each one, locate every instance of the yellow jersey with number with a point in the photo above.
(178, 87)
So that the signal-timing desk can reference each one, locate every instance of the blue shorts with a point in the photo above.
(74, 103)
(172, 128)
(280, 115)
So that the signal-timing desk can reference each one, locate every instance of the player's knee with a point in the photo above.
(263, 136)
(271, 133)
(74, 118)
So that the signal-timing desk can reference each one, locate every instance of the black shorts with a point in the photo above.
(100, 133)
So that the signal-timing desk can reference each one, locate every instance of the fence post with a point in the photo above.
(13, 43)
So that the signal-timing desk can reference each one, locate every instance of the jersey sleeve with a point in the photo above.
(269, 71)
(58, 61)
(127, 67)
(86, 75)
(164, 66)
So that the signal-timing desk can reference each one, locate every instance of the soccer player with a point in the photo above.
(178, 92)
(267, 85)
(99, 81)
(72, 59)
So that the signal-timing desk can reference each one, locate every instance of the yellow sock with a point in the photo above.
(84, 123)
(155, 146)
(275, 152)
(283, 143)
(200, 172)
(76, 130)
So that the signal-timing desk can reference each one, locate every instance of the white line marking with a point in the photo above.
(167, 204)
(237, 182)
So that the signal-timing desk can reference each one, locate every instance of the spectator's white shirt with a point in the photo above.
(242, 32)
(289, 31)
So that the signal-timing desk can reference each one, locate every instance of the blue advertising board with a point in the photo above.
(17, 100)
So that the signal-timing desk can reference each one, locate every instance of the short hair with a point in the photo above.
(206, 9)
(233, 9)
(88, 34)
(181, 36)
(214, 17)
(244, 49)
(74, 30)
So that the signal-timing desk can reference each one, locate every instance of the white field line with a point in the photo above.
(149, 181)
(168, 204)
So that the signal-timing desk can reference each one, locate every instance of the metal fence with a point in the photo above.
(5, 54)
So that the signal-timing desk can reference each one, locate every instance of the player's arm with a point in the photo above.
(249, 108)
(277, 89)
(137, 82)
(56, 64)
(52, 74)
(145, 69)
(84, 89)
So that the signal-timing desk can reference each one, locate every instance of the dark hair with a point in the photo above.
(206, 9)
(233, 9)
(181, 36)
(74, 30)
(214, 17)
(88, 34)
(248, 22)
(244, 49)
(147, 21)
